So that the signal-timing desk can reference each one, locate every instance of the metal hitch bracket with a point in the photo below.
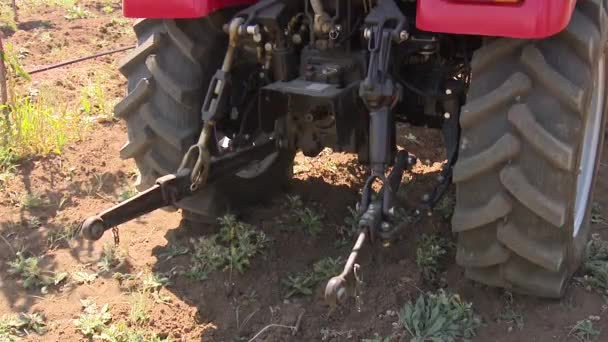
(374, 221)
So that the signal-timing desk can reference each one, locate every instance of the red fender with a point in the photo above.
(173, 9)
(528, 19)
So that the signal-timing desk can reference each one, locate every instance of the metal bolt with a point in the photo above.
(385, 226)
(403, 35)
(447, 115)
(268, 47)
(257, 38)
(296, 39)
(367, 33)
(426, 197)
(448, 91)
(253, 29)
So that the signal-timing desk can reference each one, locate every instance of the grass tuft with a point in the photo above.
(439, 317)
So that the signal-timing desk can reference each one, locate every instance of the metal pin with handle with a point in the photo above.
(335, 291)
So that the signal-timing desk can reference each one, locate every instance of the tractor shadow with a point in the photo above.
(240, 305)
(41, 218)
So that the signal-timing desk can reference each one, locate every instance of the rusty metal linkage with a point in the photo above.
(170, 189)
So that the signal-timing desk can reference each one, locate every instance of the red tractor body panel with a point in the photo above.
(171, 9)
(529, 19)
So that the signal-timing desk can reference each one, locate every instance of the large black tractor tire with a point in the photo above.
(532, 107)
(168, 74)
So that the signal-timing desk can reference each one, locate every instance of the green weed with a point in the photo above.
(94, 102)
(7, 17)
(36, 127)
(445, 206)
(110, 259)
(11, 328)
(232, 248)
(511, 314)
(121, 332)
(83, 277)
(93, 319)
(596, 215)
(595, 266)
(299, 284)
(32, 276)
(584, 331)
(304, 283)
(439, 317)
(126, 194)
(78, 12)
(309, 219)
(173, 250)
(33, 201)
(155, 282)
(430, 253)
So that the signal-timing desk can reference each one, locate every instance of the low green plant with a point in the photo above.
(155, 282)
(94, 102)
(33, 201)
(596, 215)
(83, 277)
(304, 283)
(439, 317)
(36, 126)
(511, 314)
(445, 206)
(126, 194)
(232, 248)
(11, 328)
(173, 250)
(299, 284)
(584, 330)
(110, 258)
(308, 218)
(93, 319)
(7, 17)
(327, 268)
(430, 252)
(595, 265)
(78, 12)
(121, 332)
(32, 276)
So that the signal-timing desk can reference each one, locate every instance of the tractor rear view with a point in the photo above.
(223, 93)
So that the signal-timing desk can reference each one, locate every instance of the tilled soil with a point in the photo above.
(87, 177)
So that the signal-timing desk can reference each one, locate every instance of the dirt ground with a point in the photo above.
(88, 176)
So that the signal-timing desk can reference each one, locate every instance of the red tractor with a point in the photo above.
(222, 93)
